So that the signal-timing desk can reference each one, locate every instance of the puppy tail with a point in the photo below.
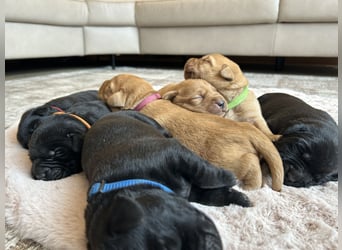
(269, 152)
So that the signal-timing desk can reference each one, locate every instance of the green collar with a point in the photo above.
(238, 99)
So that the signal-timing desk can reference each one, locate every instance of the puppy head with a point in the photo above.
(124, 91)
(196, 95)
(55, 148)
(308, 159)
(148, 219)
(217, 69)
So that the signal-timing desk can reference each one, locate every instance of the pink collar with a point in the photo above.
(57, 108)
(146, 101)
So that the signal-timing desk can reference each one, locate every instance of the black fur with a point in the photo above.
(309, 143)
(123, 145)
(32, 118)
(56, 144)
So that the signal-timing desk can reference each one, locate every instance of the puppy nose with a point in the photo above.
(37, 172)
(39, 176)
(221, 104)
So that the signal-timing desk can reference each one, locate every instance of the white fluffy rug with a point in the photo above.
(51, 213)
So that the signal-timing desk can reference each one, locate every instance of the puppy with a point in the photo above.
(141, 179)
(196, 95)
(55, 145)
(225, 143)
(309, 144)
(31, 119)
(227, 77)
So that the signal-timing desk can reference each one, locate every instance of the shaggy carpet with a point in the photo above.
(49, 215)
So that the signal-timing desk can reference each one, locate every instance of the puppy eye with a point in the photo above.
(207, 60)
(196, 100)
(197, 97)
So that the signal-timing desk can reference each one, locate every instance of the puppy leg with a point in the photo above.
(249, 172)
(211, 185)
(203, 174)
(219, 197)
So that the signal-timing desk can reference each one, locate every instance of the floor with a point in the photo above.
(25, 84)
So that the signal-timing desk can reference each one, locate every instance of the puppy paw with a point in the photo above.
(239, 198)
(274, 137)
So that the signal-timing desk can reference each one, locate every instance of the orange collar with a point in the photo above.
(84, 122)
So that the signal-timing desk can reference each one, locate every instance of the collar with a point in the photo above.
(239, 99)
(102, 187)
(146, 101)
(57, 108)
(84, 122)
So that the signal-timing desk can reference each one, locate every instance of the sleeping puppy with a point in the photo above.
(140, 180)
(55, 145)
(223, 142)
(227, 77)
(309, 144)
(31, 119)
(196, 95)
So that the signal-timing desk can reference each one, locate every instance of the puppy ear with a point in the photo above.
(76, 141)
(227, 73)
(126, 214)
(117, 99)
(169, 95)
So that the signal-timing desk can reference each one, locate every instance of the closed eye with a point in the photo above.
(59, 152)
(197, 97)
(196, 100)
(207, 60)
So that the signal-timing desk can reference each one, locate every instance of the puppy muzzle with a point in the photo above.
(218, 107)
(53, 170)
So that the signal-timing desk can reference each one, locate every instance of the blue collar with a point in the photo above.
(107, 187)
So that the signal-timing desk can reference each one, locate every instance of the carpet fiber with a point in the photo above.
(51, 213)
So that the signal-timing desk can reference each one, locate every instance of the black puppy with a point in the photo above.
(31, 119)
(309, 142)
(141, 180)
(56, 144)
